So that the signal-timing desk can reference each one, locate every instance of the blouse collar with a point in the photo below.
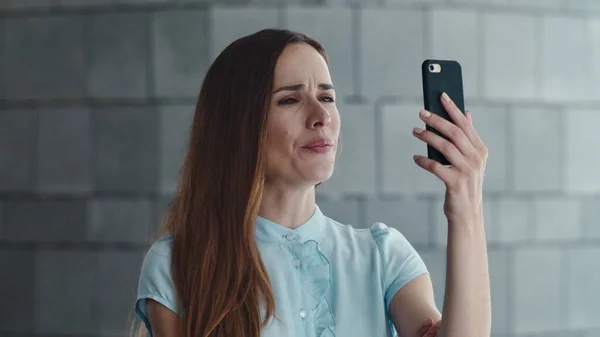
(269, 231)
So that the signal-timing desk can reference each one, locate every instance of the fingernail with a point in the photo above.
(415, 157)
(417, 130)
(425, 113)
(445, 97)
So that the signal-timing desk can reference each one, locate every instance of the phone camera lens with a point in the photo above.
(431, 67)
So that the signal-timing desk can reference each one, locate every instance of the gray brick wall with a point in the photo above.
(96, 98)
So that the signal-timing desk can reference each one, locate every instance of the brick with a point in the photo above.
(46, 58)
(334, 35)
(127, 149)
(440, 222)
(175, 127)
(162, 204)
(17, 290)
(509, 64)
(390, 62)
(411, 216)
(584, 285)
(143, 1)
(248, 21)
(346, 212)
(355, 166)
(459, 43)
(582, 163)
(478, 2)
(293, 2)
(113, 71)
(492, 125)
(17, 143)
(565, 75)
(590, 213)
(65, 291)
(536, 290)
(108, 3)
(532, 4)
(593, 29)
(4, 80)
(121, 220)
(557, 218)
(514, 219)
(435, 260)
(181, 54)
(20, 4)
(537, 162)
(44, 220)
(84, 3)
(499, 267)
(222, 2)
(401, 2)
(583, 5)
(61, 170)
(116, 290)
(591, 333)
(400, 173)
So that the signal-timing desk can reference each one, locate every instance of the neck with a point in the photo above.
(289, 207)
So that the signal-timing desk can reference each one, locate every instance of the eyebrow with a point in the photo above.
(296, 87)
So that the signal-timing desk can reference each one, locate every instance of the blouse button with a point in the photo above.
(296, 262)
(290, 236)
(303, 313)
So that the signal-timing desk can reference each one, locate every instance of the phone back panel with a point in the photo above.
(448, 80)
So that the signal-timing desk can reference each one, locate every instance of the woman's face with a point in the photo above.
(303, 123)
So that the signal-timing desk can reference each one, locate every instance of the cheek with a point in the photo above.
(278, 137)
(336, 123)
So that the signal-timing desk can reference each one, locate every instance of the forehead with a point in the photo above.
(299, 63)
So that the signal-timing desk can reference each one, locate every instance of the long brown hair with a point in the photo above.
(220, 280)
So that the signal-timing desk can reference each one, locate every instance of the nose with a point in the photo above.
(319, 116)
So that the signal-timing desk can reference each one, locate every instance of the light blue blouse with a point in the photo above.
(328, 279)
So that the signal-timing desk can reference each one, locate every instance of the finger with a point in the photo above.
(448, 149)
(438, 324)
(439, 170)
(432, 332)
(461, 120)
(425, 328)
(454, 133)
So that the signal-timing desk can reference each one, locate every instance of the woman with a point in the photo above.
(245, 250)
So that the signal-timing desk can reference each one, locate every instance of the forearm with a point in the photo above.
(466, 310)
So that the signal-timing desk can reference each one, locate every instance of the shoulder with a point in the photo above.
(161, 247)
(377, 233)
(156, 266)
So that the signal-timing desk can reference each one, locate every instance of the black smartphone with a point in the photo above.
(441, 76)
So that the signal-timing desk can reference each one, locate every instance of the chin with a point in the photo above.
(320, 175)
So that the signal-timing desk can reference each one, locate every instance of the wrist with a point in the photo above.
(472, 225)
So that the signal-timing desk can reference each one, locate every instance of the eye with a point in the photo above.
(287, 101)
(328, 99)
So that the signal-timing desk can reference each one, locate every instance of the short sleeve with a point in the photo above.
(400, 261)
(155, 280)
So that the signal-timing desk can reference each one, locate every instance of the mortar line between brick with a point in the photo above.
(379, 160)
(355, 29)
(563, 283)
(511, 300)
(151, 60)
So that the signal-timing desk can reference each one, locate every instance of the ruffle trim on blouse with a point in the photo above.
(378, 229)
(318, 270)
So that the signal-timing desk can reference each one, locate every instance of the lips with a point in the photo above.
(321, 145)
(321, 142)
